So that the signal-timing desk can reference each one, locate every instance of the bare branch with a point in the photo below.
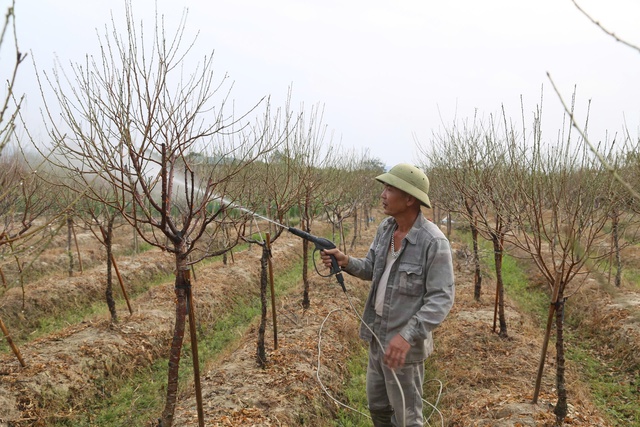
(610, 33)
(593, 149)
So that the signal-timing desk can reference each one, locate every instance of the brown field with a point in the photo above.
(487, 381)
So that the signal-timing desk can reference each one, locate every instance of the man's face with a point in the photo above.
(394, 201)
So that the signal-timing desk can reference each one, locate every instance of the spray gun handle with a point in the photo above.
(321, 244)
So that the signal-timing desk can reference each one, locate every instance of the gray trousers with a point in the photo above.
(383, 394)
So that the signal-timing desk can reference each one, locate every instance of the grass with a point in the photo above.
(132, 404)
(614, 392)
(354, 392)
(631, 277)
(516, 283)
(136, 400)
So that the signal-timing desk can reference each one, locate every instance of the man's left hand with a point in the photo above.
(396, 352)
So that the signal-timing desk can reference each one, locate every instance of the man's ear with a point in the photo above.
(411, 200)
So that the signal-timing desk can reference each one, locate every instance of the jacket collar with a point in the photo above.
(412, 235)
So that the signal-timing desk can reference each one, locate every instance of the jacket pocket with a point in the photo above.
(410, 279)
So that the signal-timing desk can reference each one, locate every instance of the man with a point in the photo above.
(412, 291)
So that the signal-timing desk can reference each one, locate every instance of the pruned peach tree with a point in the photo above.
(454, 159)
(272, 193)
(132, 117)
(24, 198)
(558, 217)
(365, 191)
(103, 220)
(312, 152)
(477, 159)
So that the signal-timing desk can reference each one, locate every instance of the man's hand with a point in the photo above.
(396, 352)
(342, 259)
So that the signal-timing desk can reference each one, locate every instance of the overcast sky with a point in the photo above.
(388, 73)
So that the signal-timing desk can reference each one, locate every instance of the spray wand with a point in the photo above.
(320, 242)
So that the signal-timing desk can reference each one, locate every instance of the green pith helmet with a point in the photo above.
(409, 179)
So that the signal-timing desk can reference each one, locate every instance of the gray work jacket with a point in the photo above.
(420, 290)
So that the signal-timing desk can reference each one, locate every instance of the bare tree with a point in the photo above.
(280, 193)
(17, 193)
(365, 191)
(340, 201)
(102, 220)
(623, 208)
(311, 153)
(133, 120)
(24, 199)
(454, 158)
(477, 159)
(273, 192)
(558, 220)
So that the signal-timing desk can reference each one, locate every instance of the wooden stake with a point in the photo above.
(547, 334)
(5, 331)
(124, 291)
(495, 308)
(194, 349)
(273, 295)
(75, 238)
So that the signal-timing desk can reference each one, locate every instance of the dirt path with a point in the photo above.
(286, 393)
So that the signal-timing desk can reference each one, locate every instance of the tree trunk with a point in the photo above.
(20, 275)
(306, 301)
(181, 284)
(69, 251)
(261, 354)
(273, 296)
(561, 407)
(343, 240)
(135, 241)
(355, 230)
(616, 244)
(194, 347)
(367, 216)
(498, 254)
(477, 287)
(306, 223)
(122, 288)
(108, 244)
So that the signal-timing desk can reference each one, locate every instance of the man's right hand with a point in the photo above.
(342, 259)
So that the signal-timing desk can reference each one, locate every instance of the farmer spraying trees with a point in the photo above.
(412, 290)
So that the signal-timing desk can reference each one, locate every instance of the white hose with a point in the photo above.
(434, 407)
